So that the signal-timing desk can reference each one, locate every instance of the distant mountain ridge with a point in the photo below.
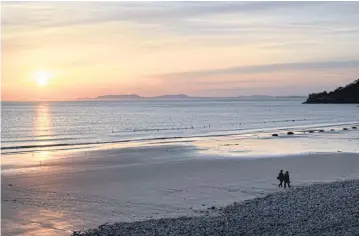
(135, 96)
(176, 96)
(180, 96)
(121, 96)
(347, 94)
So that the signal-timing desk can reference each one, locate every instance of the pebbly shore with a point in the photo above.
(319, 209)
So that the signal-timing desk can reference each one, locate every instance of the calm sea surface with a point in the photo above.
(50, 125)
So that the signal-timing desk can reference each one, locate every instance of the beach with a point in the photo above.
(56, 193)
(320, 209)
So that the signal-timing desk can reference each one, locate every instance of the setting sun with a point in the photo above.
(42, 78)
(42, 81)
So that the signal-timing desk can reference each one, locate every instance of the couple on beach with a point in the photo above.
(283, 178)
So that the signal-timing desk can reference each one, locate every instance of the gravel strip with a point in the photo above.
(319, 209)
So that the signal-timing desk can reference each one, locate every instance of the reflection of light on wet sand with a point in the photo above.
(42, 156)
(27, 162)
(38, 221)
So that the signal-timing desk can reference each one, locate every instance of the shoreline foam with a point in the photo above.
(9, 149)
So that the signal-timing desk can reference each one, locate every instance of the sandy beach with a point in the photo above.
(56, 193)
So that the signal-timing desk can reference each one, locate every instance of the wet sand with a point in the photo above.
(76, 190)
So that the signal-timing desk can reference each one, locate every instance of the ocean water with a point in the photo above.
(30, 126)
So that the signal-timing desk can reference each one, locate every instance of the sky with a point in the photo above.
(68, 50)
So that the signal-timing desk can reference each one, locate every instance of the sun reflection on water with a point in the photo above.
(43, 123)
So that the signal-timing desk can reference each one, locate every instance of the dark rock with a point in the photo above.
(345, 128)
(354, 127)
(321, 131)
(332, 130)
(290, 133)
(275, 135)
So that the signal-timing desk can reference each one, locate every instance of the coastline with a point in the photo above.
(50, 192)
(77, 190)
(318, 209)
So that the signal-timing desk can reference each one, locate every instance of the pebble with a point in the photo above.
(320, 209)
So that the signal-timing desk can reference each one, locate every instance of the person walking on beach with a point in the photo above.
(286, 179)
(280, 178)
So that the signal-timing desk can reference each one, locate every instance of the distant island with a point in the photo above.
(347, 94)
(177, 96)
(135, 97)
(115, 97)
(181, 97)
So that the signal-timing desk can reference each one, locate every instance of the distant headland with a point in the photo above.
(181, 97)
(347, 94)
(136, 97)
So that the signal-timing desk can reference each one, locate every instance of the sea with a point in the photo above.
(37, 126)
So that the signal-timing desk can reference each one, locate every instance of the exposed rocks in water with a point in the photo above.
(345, 128)
(332, 130)
(311, 131)
(321, 131)
(354, 127)
(320, 209)
(275, 135)
(290, 133)
(347, 94)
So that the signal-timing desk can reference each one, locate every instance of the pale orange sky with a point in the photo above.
(88, 49)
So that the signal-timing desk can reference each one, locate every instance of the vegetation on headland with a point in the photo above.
(347, 94)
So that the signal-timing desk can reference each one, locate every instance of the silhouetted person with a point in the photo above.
(280, 178)
(286, 179)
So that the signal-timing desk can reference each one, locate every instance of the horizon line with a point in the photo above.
(153, 98)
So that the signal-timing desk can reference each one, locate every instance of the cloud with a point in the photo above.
(206, 45)
(17, 13)
(319, 65)
(53, 14)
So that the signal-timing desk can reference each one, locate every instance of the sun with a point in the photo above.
(42, 77)
(41, 81)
